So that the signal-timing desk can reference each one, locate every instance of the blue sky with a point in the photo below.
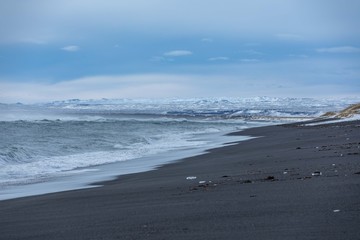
(54, 50)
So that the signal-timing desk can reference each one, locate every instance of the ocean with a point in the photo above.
(66, 145)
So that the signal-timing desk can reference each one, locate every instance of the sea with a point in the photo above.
(64, 145)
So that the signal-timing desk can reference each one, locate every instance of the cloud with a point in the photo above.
(218, 59)
(94, 87)
(207, 40)
(69, 19)
(178, 53)
(300, 77)
(238, 25)
(342, 49)
(71, 48)
(161, 59)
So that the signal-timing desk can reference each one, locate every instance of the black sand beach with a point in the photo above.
(262, 188)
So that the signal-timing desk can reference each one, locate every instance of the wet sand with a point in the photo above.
(263, 188)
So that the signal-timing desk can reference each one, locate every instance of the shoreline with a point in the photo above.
(93, 176)
(255, 189)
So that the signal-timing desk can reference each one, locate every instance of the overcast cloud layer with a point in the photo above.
(52, 50)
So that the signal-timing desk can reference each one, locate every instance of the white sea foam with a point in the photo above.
(215, 107)
(40, 168)
(331, 121)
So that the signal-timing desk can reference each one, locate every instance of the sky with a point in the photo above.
(89, 49)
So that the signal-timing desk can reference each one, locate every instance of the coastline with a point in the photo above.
(93, 176)
(255, 189)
